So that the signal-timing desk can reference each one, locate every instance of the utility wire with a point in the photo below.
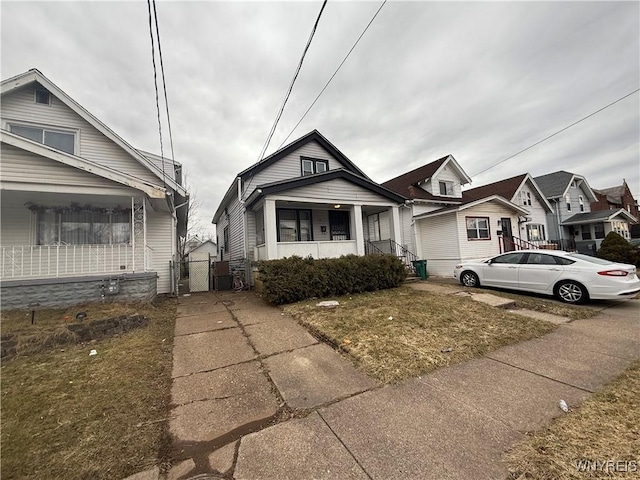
(554, 134)
(334, 73)
(164, 85)
(295, 76)
(155, 81)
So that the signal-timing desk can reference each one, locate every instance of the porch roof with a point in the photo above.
(599, 216)
(284, 185)
(470, 204)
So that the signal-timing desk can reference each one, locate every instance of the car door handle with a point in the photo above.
(513, 267)
(554, 269)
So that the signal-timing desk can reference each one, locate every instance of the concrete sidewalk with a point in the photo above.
(241, 366)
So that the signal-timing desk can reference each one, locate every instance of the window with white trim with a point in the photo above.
(598, 230)
(446, 188)
(58, 139)
(83, 227)
(478, 228)
(535, 232)
(525, 198)
(43, 97)
(581, 202)
(567, 199)
(294, 225)
(310, 166)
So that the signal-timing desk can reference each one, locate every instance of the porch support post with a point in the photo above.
(395, 233)
(358, 230)
(270, 229)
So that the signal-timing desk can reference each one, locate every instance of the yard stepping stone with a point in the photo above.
(493, 300)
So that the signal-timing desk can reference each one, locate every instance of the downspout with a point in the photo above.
(245, 232)
(558, 223)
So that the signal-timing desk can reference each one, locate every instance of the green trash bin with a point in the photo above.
(421, 268)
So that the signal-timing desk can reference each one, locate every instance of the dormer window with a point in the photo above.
(57, 139)
(43, 97)
(311, 166)
(574, 184)
(446, 188)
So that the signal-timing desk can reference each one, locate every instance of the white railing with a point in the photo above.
(41, 261)
(330, 249)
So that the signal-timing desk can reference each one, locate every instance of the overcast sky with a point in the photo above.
(480, 81)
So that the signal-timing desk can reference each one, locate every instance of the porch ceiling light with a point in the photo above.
(336, 206)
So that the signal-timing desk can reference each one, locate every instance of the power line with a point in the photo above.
(334, 73)
(164, 84)
(155, 81)
(295, 76)
(554, 134)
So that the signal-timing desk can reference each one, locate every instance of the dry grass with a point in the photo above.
(69, 415)
(422, 326)
(531, 301)
(605, 428)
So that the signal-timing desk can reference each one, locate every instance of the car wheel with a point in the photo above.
(571, 292)
(469, 279)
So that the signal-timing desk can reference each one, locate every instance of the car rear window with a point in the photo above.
(564, 261)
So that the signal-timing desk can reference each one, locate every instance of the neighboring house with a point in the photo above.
(447, 227)
(571, 223)
(207, 246)
(531, 230)
(84, 214)
(306, 199)
(614, 198)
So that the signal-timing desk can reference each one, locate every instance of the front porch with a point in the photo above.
(319, 230)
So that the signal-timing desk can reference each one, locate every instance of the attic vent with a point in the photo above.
(43, 97)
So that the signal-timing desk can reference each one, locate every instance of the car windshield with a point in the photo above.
(587, 258)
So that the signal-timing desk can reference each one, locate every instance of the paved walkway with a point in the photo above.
(241, 366)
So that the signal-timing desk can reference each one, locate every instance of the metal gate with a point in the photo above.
(199, 266)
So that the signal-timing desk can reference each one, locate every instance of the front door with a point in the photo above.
(507, 234)
(339, 225)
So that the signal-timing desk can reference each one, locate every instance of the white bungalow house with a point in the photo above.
(84, 215)
(445, 225)
(571, 222)
(306, 199)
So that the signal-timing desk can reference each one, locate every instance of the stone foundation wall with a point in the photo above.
(65, 292)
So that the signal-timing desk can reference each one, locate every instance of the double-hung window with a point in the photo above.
(478, 228)
(58, 139)
(567, 199)
(586, 232)
(312, 165)
(446, 188)
(581, 202)
(598, 230)
(535, 232)
(294, 225)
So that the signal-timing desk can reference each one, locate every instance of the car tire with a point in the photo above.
(569, 291)
(469, 279)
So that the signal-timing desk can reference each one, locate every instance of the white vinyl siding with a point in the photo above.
(439, 246)
(338, 190)
(20, 166)
(537, 212)
(251, 232)
(159, 238)
(446, 175)
(470, 249)
(19, 107)
(406, 230)
(290, 166)
(574, 198)
(234, 252)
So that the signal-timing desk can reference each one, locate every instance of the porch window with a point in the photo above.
(478, 228)
(535, 232)
(84, 228)
(586, 232)
(294, 225)
(312, 165)
(598, 230)
(57, 139)
(446, 188)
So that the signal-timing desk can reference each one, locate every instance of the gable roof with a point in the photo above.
(555, 185)
(407, 183)
(314, 135)
(507, 188)
(154, 191)
(473, 203)
(599, 215)
(289, 184)
(34, 75)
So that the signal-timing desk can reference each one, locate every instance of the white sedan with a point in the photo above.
(572, 277)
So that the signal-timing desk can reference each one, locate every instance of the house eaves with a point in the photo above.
(598, 216)
(285, 185)
(34, 75)
(471, 204)
(83, 164)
